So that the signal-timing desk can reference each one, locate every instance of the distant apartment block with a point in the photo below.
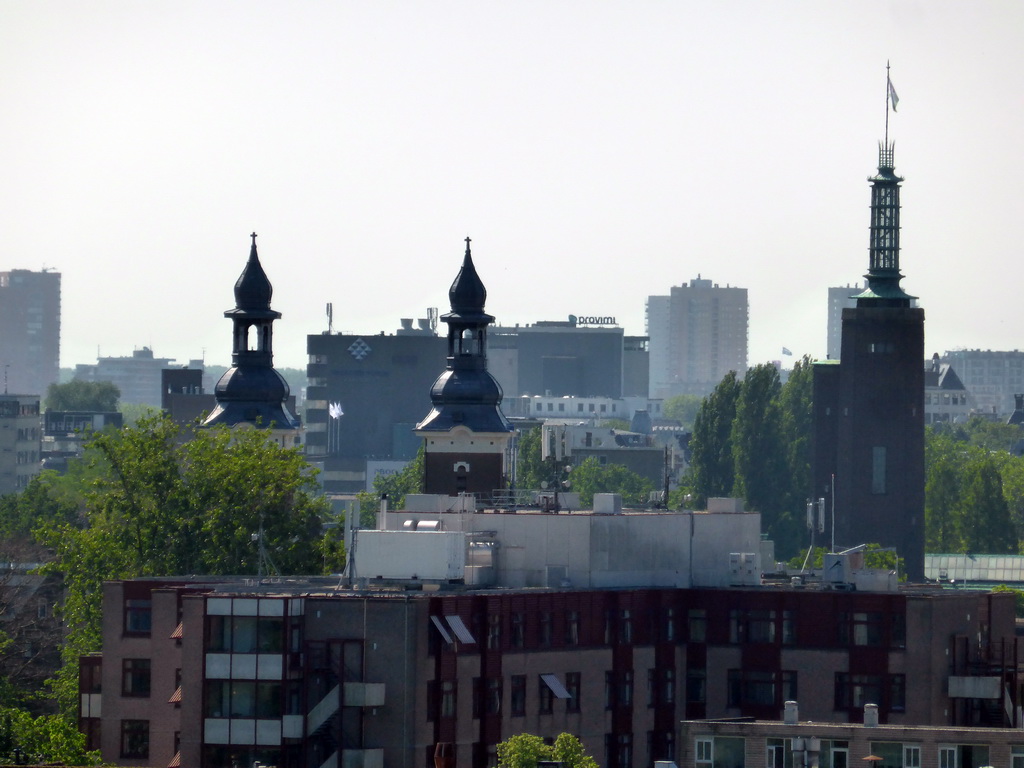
(946, 399)
(20, 439)
(29, 330)
(839, 298)
(992, 377)
(698, 333)
(138, 376)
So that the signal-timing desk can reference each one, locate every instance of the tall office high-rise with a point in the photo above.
(698, 333)
(29, 330)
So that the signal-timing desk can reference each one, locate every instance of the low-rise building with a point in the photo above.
(779, 743)
(20, 441)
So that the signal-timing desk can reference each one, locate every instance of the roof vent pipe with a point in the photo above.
(791, 713)
(382, 518)
(871, 715)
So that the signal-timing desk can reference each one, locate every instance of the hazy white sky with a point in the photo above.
(596, 152)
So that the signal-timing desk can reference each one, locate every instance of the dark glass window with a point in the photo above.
(518, 633)
(245, 634)
(135, 676)
(572, 685)
(244, 699)
(546, 697)
(697, 625)
(138, 620)
(572, 628)
(545, 629)
(135, 739)
(854, 691)
(518, 696)
(750, 688)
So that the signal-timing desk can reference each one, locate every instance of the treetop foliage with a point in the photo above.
(151, 503)
(525, 750)
(78, 395)
(751, 439)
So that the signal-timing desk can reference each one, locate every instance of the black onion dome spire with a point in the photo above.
(252, 391)
(468, 294)
(253, 290)
(466, 393)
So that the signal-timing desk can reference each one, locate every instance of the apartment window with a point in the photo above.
(492, 701)
(624, 751)
(719, 752)
(138, 620)
(546, 697)
(1016, 758)
(696, 686)
(912, 756)
(561, 407)
(518, 635)
(750, 688)
(669, 625)
(572, 628)
(244, 699)
(788, 627)
(245, 634)
(447, 698)
(625, 626)
(626, 689)
(854, 691)
(776, 752)
(135, 739)
(897, 692)
(545, 629)
(572, 685)
(135, 675)
(703, 750)
(517, 701)
(494, 631)
(756, 626)
(697, 625)
(861, 628)
(609, 690)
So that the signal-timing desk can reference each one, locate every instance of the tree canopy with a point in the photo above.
(524, 750)
(156, 504)
(972, 494)
(78, 395)
(751, 439)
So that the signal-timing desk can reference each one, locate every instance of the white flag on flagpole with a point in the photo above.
(335, 411)
(893, 98)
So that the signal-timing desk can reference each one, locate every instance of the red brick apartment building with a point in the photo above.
(297, 673)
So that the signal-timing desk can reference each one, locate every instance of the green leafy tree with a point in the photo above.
(525, 750)
(759, 455)
(943, 460)
(78, 395)
(531, 471)
(795, 404)
(157, 505)
(682, 408)
(985, 524)
(590, 477)
(874, 557)
(712, 468)
(43, 739)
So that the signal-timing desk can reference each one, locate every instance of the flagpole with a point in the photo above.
(888, 86)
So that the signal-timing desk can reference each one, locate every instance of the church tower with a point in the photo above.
(466, 436)
(252, 392)
(868, 410)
